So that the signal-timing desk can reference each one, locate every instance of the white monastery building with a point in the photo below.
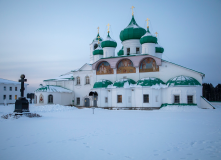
(137, 78)
(10, 91)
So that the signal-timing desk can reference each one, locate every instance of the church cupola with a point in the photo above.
(121, 52)
(130, 37)
(158, 49)
(98, 52)
(94, 45)
(148, 42)
(109, 45)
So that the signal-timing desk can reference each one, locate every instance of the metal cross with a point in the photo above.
(132, 10)
(156, 34)
(22, 80)
(108, 25)
(147, 21)
(98, 29)
(98, 39)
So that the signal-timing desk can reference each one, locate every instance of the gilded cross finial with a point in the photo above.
(147, 22)
(98, 29)
(108, 27)
(98, 38)
(156, 34)
(132, 10)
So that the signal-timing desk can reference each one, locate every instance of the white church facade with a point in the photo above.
(137, 78)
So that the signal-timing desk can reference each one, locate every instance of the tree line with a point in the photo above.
(212, 93)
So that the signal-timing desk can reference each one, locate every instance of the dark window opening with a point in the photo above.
(176, 99)
(10, 88)
(15, 88)
(137, 50)
(10, 97)
(50, 98)
(4, 97)
(119, 98)
(146, 98)
(128, 51)
(78, 101)
(189, 99)
(95, 46)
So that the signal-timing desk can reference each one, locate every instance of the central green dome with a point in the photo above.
(132, 31)
(109, 42)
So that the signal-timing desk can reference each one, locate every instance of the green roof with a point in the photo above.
(149, 81)
(120, 83)
(121, 52)
(109, 42)
(52, 88)
(102, 83)
(158, 48)
(96, 39)
(182, 80)
(132, 31)
(148, 38)
(98, 50)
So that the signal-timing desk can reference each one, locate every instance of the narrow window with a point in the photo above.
(95, 46)
(4, 97)
(10, 88)
(189, 99)
(176, 99)
(106, 100)
(128, 51)
(15, 96)
(16, 88)
(129, 99)
(119, 98)
(78, 81)
(87, 80)
(78, 101)
(10, 97)
(50, 98)
(146, 98)
(137, 50)
(4, 88)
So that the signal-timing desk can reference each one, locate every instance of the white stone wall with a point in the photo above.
(108, 52)
(132, 44)
(12, 93)
(148, 48)
(97, 57)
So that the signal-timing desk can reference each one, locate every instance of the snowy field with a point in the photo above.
(69, 133)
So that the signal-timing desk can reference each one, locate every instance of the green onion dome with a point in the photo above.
(148, 38)
(182, 80)
(109, 42)
(121, 52)
(150, 81)
(121, 82)
(132, 31)
(102, 83)
(96, 39)
(98, 50)
(158, 48)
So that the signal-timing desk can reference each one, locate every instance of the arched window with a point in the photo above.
(148, 65)
(50, 98)
(78, 81)
(87, 79)
(4, 88)
(125, 66)
(95, 46)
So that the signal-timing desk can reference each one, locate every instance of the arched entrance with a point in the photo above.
(86, 102)
(95, 96)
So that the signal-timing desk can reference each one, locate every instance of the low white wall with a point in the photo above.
(148, 48)
(132, 44)
(108, 52)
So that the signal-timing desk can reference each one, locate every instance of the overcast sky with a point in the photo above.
(44, 39)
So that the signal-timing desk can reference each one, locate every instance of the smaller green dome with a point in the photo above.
(149, 81)
(182, 80)
(158, 48)
(102, 83)
(148, 38)
(121, 52)
(98, 50)
(96, 39)
(109, 42)
(120, 83)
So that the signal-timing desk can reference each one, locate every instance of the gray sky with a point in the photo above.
(44, 39)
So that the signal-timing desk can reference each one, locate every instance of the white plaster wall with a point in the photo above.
(159, 55)
(91, 52)
(132, 44)
(108, 52)
(148, 48)
(97, 57)
(13, 92)
(126, 93)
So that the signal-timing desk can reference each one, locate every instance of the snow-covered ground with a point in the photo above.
(77, 134)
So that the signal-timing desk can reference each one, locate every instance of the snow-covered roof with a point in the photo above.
(103, 83)
(51, 88)
(182, 80)
(66, 77)
(5, 81)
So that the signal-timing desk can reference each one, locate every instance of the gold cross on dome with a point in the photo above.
(98, 29)
(156, 34)
(132, 10)
(108, 25)
(98, 38)
(147, 21)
